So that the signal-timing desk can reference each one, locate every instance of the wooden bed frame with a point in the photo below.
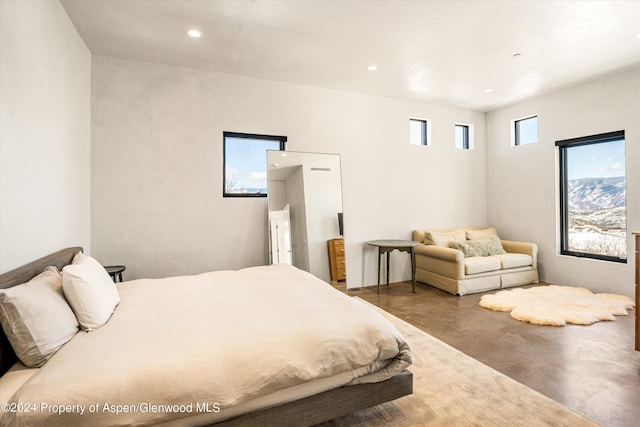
(304, 412)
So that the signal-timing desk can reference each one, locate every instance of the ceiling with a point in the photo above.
(439, 52)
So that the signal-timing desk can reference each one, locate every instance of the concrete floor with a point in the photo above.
(593, 370)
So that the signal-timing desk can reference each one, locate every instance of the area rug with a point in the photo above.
(558, 305)
(453, 389)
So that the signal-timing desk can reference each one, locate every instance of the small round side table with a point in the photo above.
(115, 271)
(388, 246)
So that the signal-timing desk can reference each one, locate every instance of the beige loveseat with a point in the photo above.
(441, 261)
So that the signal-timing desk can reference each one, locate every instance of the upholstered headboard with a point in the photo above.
(21, 275)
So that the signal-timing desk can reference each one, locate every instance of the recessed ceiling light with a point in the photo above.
(372, 67)
(194, 33)
(638, 36)
(488, 90)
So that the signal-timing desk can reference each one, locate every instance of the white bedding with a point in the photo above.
(207, 343)
(12, 380)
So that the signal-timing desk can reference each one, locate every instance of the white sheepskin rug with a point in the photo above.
(558, 305)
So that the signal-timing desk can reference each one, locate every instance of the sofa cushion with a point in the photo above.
(483, 233)
(474, 265)
(443, 238)
(513, 260)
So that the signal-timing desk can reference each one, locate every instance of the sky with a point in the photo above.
(528, 130)
(246, 159)
(603, 160)
(416, 127)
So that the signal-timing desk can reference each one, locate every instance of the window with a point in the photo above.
(524, 131)
(419, 132)
(464, 136)
(593, 206)
(245, 163)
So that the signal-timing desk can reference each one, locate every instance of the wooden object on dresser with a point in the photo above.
(337, 266)
(637, 234)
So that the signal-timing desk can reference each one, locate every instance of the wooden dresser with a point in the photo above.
(637, 236)
(337, 266)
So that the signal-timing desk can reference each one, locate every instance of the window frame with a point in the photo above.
(562, 146)
(515, 133)
(468, 143)
(242, 135)
(426, 135)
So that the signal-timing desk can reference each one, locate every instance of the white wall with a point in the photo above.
(157, 167)
(522, 196)
(45, 118)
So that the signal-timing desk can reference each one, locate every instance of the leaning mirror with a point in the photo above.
(305, 212)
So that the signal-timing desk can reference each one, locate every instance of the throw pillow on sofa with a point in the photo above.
(479, 247)
(465, 247)
(443, 238)
(484, 233)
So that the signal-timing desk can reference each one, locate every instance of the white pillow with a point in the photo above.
(90, 291)
(36, 318)
(82, 258)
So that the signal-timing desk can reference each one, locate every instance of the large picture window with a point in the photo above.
(593, 206)
(245, 163)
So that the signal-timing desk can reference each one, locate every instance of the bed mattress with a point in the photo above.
(194, 349)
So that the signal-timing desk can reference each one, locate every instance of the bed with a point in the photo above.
(217, 348)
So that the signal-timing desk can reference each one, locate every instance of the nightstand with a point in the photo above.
(115, 271)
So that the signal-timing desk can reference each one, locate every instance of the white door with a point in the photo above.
(280, 233)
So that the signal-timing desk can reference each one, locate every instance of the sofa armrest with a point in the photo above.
(530, 249)
(446, 254)
(446, 262)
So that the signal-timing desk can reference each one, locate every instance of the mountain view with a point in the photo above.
(597, 216)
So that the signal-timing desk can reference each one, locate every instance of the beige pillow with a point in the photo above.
(90, 291)
(483, 233)
(465, 247)
(479, 247)
(443, 238)
(487, 247)
(36, 317)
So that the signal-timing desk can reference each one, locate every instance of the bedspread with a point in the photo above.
(178, 346)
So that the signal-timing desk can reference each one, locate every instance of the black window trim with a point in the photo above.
(564, 218)
(516, 130)
(465, 136)
(424, 135)
(227, 134)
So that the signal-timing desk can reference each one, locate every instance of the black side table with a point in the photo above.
(388, 246)
(115, 271)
